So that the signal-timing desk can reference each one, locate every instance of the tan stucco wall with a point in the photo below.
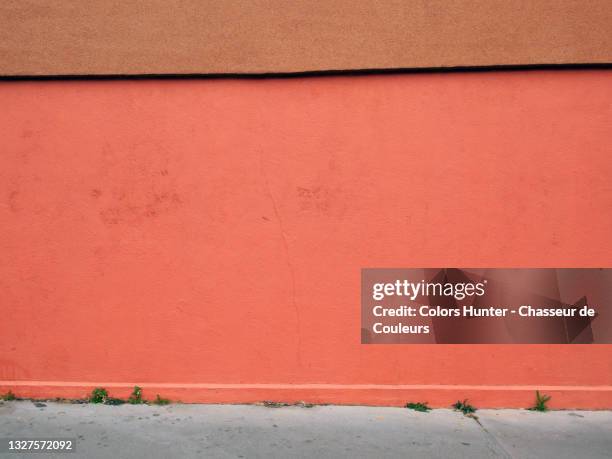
(209, 36)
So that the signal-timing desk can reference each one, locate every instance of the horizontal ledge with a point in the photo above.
(316, 386)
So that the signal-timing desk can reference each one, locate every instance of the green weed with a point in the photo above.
(9, 396)
(464, 407)
(419, 406)
(541, 401)
(98, 395)
(161, 401)
(136, 396)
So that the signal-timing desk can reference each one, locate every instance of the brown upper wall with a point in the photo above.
(106, 37)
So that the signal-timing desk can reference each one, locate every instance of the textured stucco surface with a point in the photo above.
(39, 37)
(213, 231)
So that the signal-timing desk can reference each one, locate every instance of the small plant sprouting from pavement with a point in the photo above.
(419, 406)
(98, 395)
(161, 401)
(464, 407)
(9, 396)
(541, 401)
(136, 396)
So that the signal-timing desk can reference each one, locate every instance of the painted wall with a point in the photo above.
(204, 238)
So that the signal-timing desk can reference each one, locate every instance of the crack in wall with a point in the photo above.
(290, 268)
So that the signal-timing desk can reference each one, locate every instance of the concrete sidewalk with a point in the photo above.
(234, 431)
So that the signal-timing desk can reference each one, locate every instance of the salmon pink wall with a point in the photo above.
(204, 238)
